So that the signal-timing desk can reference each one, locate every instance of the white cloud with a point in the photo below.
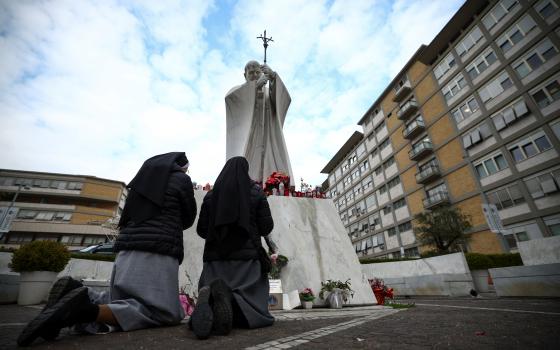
(97, 87)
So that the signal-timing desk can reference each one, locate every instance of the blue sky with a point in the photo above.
(97, 87)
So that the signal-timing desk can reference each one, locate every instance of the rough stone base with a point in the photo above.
(310, 234)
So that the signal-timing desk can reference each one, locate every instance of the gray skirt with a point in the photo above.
(250, 289)
(144, 291)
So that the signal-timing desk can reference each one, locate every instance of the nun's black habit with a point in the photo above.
(144, 283)
(232, 213)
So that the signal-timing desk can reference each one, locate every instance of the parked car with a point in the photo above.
(102, 248)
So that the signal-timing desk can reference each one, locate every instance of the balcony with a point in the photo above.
(428, 174)
(420, 150)
(402, 91)
(407, 109)
(414, 128)
(436, 199)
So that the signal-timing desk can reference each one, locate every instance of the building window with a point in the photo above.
(480, 63)
(379, 128)
(367, 183)
(392, 231)
(360, 150)
(498, 12)
(393, 182)
(530, 146)
(388, 163)
(399, 204)
(432, 163)
(465, 109)
(553, 223)
(357, 190)
(454, 87)
(477, 135)
(20, 238)
(406, 226)
(6, 181)
(469, 41)
(499, 84)
(90, 240)
(411, 252)
(510, 114)
(387, 210)
(506, 197)
(384, 144)
(516, 33)
(382, 189)
(364, 166)
(547, 94)
(436, 191)
(545, 184)
(490, 166)
(546, 8)
(374, 220)
(45, 216)
(26, 214)
(444, 66)
(555, 126)
(356, 174)
(61, 216)
(370, 201)
(511, 242)
(378, 170)
(72, 240)
(535, 58)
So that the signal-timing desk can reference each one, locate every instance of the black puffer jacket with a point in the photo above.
(163, 233)
(237, 245)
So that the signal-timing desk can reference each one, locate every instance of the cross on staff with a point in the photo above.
(265, 42)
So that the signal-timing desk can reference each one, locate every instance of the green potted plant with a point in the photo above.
(38, 263)
(307, 296)
(337, 291)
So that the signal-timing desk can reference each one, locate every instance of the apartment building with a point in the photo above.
(72, 209)
(473, 118)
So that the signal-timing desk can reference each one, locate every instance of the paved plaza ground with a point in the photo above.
(440, 323)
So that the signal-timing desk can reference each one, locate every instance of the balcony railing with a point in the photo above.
(420, 150)
(438, 198)
(407, 109)
(429, 173)
(402, 91)
(414, 128)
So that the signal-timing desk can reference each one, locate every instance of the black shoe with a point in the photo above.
(59, 289)
(221, 307)
(202, 317)
(63, 314)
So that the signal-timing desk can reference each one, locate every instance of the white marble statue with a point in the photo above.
(255, 114)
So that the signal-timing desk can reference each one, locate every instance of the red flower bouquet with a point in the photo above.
(380, 290)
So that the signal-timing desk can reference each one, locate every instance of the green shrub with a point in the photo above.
(432, 253)
(88, 256)
(383, 260)
(40, 256)
(478, 261)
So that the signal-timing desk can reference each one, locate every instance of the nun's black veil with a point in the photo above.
(231, 199)
(147, 188)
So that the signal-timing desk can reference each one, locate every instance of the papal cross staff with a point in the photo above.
(265, 43)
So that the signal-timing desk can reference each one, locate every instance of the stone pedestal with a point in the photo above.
(310, 233)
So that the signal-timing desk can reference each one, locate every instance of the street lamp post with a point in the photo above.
(20, 187)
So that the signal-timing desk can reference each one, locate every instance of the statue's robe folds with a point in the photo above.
(254, 123)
